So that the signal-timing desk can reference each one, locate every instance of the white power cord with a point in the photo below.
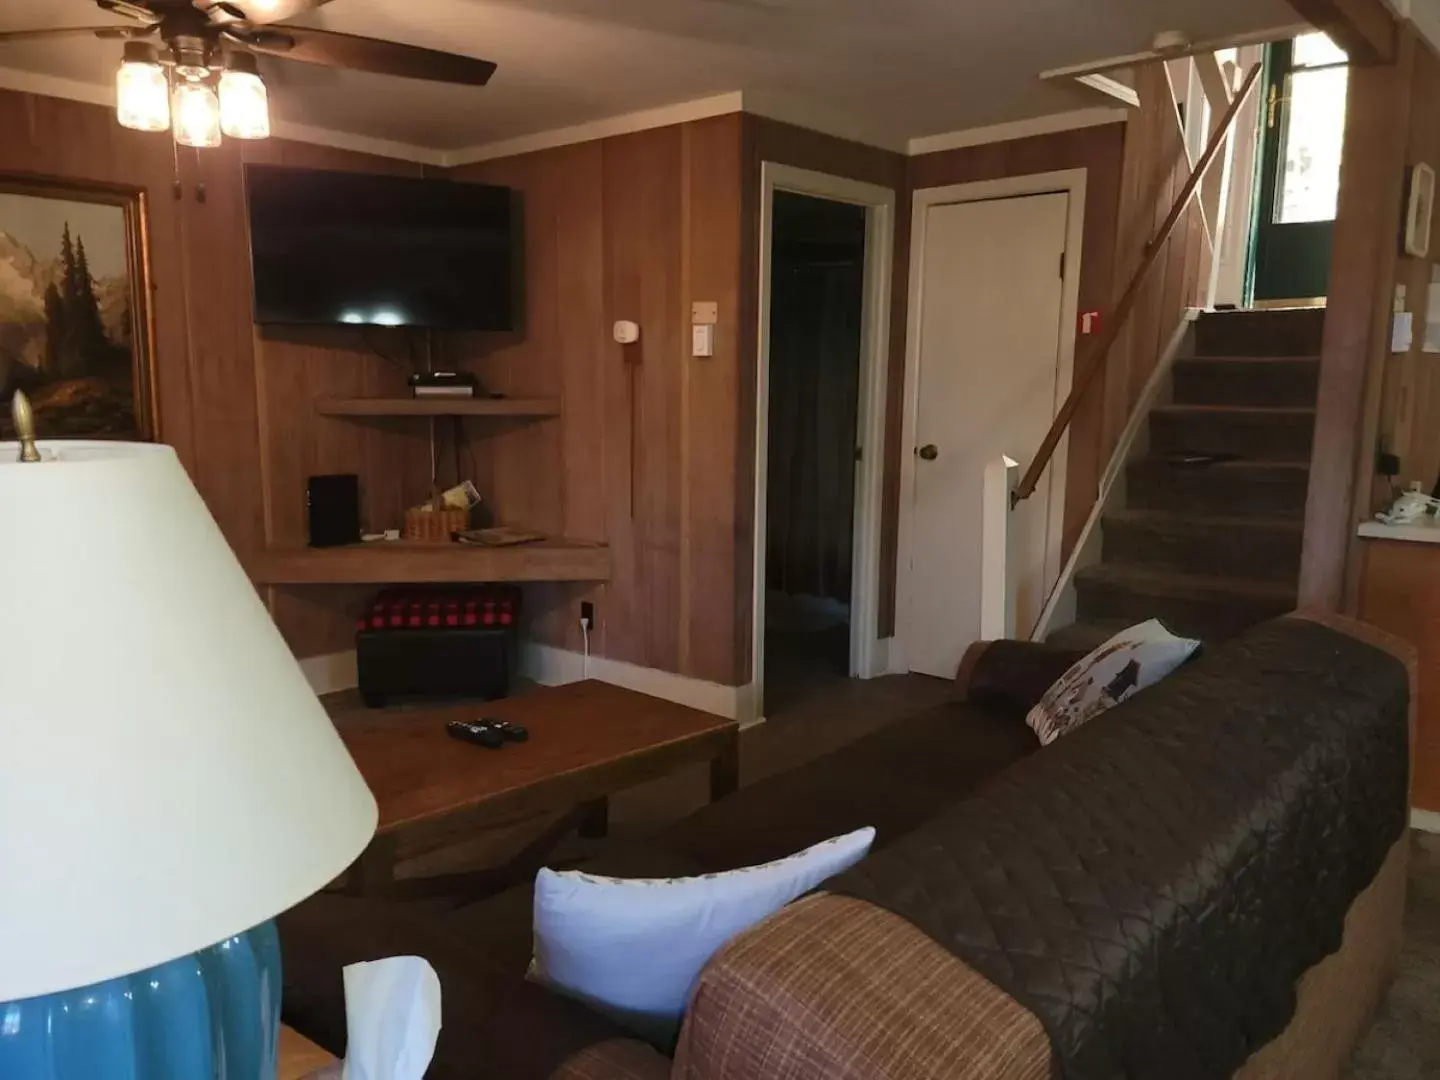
(585, 664)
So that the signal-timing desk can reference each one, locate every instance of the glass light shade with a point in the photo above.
(142, 96)
(196, 111)
(244, 106)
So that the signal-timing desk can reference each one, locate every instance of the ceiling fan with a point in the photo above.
(190, 67)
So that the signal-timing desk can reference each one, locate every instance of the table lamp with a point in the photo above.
(168, 780)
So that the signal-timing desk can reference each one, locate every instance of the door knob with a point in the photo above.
(929, 452)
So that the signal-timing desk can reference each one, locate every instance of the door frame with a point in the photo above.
(1066, 181)
(879, 203)
(1272, 130)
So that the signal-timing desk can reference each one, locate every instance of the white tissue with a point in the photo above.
(392, 1015)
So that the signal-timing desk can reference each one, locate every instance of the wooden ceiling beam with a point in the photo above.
(1366, 29)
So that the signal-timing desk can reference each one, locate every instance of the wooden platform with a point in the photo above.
(400, 562)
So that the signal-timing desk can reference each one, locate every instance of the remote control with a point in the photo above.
(511, 732)
(482, 733)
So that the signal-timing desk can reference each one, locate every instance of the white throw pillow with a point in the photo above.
(634, 948)
(1131, 660)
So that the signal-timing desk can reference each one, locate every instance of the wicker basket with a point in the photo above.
(429, 526)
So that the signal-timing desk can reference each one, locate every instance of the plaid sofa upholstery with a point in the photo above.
(836, 989)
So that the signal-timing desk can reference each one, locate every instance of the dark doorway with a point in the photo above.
(816, 307)
(1302, 130)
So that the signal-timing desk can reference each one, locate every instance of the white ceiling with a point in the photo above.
(884, 71)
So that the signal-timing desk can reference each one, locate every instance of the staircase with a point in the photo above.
(1209, 541)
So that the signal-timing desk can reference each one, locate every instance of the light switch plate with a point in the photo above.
(702, 340)
(704, 313)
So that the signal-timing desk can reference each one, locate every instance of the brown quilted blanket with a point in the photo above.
(1152, 886)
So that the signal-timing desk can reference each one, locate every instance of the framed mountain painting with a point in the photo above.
(75, 329)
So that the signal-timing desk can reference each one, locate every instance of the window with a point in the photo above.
(1314, 117)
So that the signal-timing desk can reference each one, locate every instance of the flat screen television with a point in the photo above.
(358, 248)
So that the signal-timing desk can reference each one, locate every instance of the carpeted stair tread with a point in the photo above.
(1272, 332)
(1247, 380)
(1236, 488)
(1266, 433)
(1253, 548)
(1223, 360)
(1164, 518)
(1196, 605)
(1169, 583)
(1276, 412)
(1087, 636)
(1210, 536)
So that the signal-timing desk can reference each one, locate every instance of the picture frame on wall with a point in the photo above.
(1420, 210)
(76, 329)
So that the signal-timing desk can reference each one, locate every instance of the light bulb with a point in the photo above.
(142, 93)
(196, 110)
(244, 105)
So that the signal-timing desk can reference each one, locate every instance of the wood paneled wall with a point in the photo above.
(1409, 407)
(1368, 398)
(653, 451)
(236, 405)
(1155, 171)
(47, 136)
(1101, 151)
(646, 455)
(1401, 594)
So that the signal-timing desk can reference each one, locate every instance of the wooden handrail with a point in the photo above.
(1099, 351)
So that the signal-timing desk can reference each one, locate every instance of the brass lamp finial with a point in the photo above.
(24, 417)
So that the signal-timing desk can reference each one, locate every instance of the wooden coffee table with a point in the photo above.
(588, 740)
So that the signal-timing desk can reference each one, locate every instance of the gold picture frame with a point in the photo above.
(77, 330)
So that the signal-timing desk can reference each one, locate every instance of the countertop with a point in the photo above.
(1419, 533)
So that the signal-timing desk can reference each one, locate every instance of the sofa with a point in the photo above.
(858, 981)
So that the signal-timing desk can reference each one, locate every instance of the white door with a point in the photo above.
(991, 298)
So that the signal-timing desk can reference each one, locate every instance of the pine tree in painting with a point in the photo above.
(75, 344)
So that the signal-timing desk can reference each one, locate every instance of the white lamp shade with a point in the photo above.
(167, 776)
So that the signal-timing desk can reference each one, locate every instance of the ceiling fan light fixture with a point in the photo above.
(196, 110)
(142, 92)
(244, 104)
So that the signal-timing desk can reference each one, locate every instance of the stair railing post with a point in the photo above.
(998, 588)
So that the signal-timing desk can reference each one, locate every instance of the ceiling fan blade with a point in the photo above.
(256, 12)
(326, 47)
(109, 32)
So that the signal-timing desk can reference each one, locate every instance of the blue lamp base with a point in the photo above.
(213, 1015)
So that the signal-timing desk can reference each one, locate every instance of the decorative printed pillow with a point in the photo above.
(1131, 660)
(633, 949)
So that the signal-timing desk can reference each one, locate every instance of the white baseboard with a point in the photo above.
(331, 673)
(1425, 820)
(893, 650)
(550, 666)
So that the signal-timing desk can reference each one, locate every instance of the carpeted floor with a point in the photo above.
(1404, 1042)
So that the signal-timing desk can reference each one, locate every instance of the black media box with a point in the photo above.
(438, 643)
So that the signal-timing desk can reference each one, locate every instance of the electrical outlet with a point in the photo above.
(587, 613)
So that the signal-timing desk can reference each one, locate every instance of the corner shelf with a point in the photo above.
(399, 562)
(443, 406)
